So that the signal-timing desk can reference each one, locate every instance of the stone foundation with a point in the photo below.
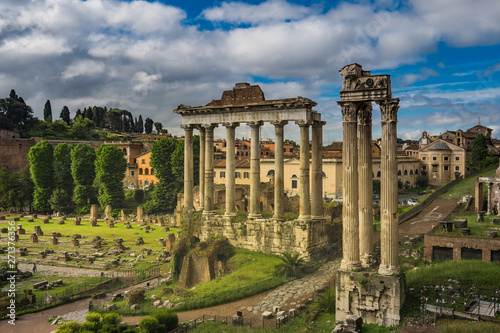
(376, 298)
(307, 237)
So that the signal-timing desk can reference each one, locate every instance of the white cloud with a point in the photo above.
(35, 44)
(82, 67)
(412, 135)
(424, 74)
(271, 10)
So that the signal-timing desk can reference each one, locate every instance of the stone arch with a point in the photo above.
(146, 171)
(141, 171)
(411, 172)
(378, 174)
(270, 173)
(406, 172)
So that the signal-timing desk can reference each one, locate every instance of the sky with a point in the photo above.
(148, 57)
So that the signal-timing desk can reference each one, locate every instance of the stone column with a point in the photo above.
(188, 167)
(255, 169)
(365, 183)
(202, 167)
(304, 179)
(230, 169)
(389, 262)
(209, 168)
(279, 171)
(317, 171)
(488, 203)
(350, 213)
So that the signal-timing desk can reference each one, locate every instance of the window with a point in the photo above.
(143, 161)
(140, 171)
(270, 173)
(399, 172)
(246, 175)
(446, 167)
(457, 168)
(406, 173)
(434, 158)
(146, 171)
(146, 183)
(124, 151)
(237, 174)
(140, 182)
(411, 172)
(222, 174)
(132, 173)
(378, 174)
(434, 168)
(424, 158)
(446, 158)
(294, 183)
(457, 158)
(424, 167)
(152, 171)
(416, 171)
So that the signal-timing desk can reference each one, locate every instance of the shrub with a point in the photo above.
(139, 195)
(149, 325)
(166, 317)
(326, 302)
(90, 326)
(93, 317)
(135, 297)
(69, 327)
(111, 319)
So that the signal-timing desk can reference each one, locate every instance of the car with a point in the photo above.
(412, 202)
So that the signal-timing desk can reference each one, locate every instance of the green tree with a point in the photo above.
(6, 189)
(139, 125)
(83, 171)
(14, 113)
(291, 266)
(148, 126)
(47, 112)
(62, 169)
(26, 187)
(110, 170)
(158, 127)
(65, 115)
(89, 114)
(479, 157)
(376, 186)
(422, 181)
(82, 128)
(41, 158)
(164, 196)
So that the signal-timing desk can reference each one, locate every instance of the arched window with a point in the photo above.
(411, 172)
(399, 172)
(406, 173)
(324, 174)
(146, 171)
(416, 171)
(146, 183)
(270, 173)
(152, 171)
(140, 171)
(378, 174)
(295, 182)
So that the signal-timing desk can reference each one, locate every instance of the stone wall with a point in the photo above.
(490, 247)
(309, 238)
(374, 297)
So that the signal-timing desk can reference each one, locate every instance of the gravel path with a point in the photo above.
(65, 271)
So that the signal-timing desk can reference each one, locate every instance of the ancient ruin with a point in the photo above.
(375, 296)
(492, 196)
(246, 104)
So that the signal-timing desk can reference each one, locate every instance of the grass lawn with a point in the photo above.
(466, 186)
(477, 229)
(67, 230)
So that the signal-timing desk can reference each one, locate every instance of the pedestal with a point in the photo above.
(376, 298)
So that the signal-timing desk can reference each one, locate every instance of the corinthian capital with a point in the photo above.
(365, 113)
(349, 111)
(389, 110)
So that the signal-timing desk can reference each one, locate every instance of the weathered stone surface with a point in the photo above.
(94, 212)
(140, 213)
(108, 211)
(460, 223)
(267, 315)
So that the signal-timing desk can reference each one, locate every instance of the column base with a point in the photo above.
(209, 212)
(366, 261)
(350, 265)
(254, 216)
(278, 218)
(388, 270)
(304, 217)
(229, 215)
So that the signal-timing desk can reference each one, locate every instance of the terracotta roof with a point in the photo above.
(334, 146)
(243, 163)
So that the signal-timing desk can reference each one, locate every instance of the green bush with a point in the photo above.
(148, 325)
(69, 327)
(166, 317)
(326, 302)
(111, 319)
(139, 195)
(91, 326)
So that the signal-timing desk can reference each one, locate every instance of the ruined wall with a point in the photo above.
(309, 238)
(14, 153)
(490, 247)
(194, 270)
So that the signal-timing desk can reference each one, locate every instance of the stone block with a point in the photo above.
(94, 211)
(446, 226)
(76, 222)
(495, 221)
(53, 241)
(33, 239)
(30, 220)
(61, 222)
(491, 234)
(267, 315)
(460, 223)
(107, 211)
(480, 215)
(75, 243)
(464, 231)
(45, 221)
(21, 231)
(16, 219)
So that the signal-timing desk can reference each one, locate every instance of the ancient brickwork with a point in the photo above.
(490, 247)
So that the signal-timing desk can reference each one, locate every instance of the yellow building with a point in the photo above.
(442, 161)
(145, 173)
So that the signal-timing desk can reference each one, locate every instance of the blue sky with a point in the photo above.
(149, 57)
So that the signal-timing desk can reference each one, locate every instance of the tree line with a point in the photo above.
(16, 114)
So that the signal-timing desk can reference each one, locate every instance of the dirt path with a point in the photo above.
(427, 218)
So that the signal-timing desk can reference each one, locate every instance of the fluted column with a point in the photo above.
(202, 167)
(317, 171)
(365, 183)
(188, 167)
(209, 168)
(389, 261)
(304, 181)
(230, 169)
(255, 169)
(488, 208)
(350, 213)
(279, 171)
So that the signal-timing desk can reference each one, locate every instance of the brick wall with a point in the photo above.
(486, 245)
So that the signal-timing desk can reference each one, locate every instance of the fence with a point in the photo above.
(135, 275)
(273, 323)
